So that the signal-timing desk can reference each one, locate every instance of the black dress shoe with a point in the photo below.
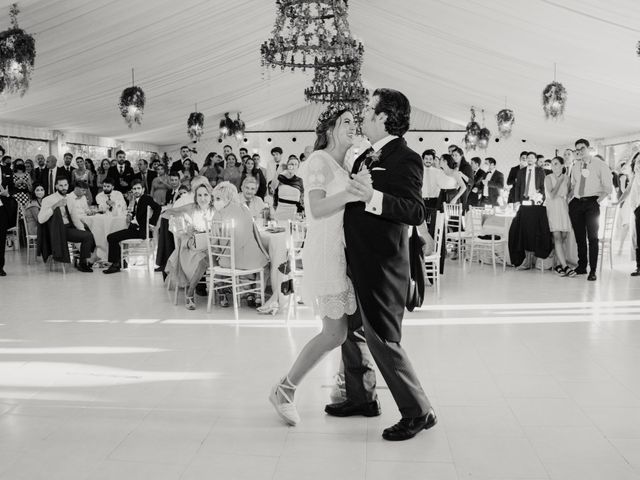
(592, 277)
(2, 272)
(83, 267)
(408, 428)
(112, 269)
(633, 274)
(158, 269)
(349, 409)
(580, 271)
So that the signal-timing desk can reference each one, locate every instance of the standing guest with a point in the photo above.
(40, 167)
(492, 184)
(102, 172)
(93, 183)
(83, 174)
(557, 190)
(258, 161)
(248, 196)
(122, 173)
(231, 172)
(569, 157)
(250, 169)
(31, 171)
(20, 188)
(288, 191)
(147, 176)
(273, 167)
(67, 168)
(591, 183)
(5, 168)
(631, 200)
(177, 166)
(512, 178)
(530, 182)
(540, 161)
(160, 185)
(51, 174)
(434, 181)
(451, 169)
(5, 215)
(173, 193)
(209, 170)
(475, 196)
(137, 218)
(110, 200)
(466, 173)
(190, 167)
(32, 209)
(190, 261)
(56, 205)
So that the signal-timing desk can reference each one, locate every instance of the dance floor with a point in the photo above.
(532, 376)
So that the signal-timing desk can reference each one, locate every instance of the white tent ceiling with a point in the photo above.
(445, 55)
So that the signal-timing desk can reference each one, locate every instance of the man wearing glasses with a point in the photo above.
(591, 183)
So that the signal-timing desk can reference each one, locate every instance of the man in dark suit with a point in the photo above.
(41, 165)
(492, 184)
(5, 216)
(145, 174)
(50, 175)
(174, 193)
(68, 169)
(475, 197)
(138, 224)
(530, 181)
(121, 174)
(6, 172)
(512, 178)
(376, 227)
(177, 165)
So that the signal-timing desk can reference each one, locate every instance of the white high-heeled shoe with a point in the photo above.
(271, 309)
(285, 409)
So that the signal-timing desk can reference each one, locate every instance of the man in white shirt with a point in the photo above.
(78, 205)
(110, 200)
(434, 181)
(274, 167)
(248, 197)
(57, 204)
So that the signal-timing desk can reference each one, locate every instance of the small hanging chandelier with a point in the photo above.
(131, 103)
(554, 98)
(505, 119)
(472, 132)
(195, 124)
(484, 135)
(230, 127)
(17, 56)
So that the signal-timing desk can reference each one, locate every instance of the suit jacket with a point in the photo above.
(68, 174)
(496, 184)
(512, 178)
(169, 198)
(176, 166)
(6, 177)
(126, 177)
(144, 202)
(521, 184)
(52, 239)
(150, 176)
(475, 198)
(377, 246)
(44, 178)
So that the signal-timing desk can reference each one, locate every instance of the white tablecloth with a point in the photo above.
(101, 225)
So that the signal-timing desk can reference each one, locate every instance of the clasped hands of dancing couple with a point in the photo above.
(355, 216)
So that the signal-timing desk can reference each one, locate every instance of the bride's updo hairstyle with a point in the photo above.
(326, 123)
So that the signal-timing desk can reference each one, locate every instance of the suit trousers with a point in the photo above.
(114, 239)
(392, 361)
(4, 226)
(636, 214)
(585, 216)
(84, 238)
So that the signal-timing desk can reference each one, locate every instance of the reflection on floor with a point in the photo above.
(102, 377)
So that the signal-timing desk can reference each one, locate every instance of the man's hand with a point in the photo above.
(60, 203)
(361, 186)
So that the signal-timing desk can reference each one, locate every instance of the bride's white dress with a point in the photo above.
(325, 283)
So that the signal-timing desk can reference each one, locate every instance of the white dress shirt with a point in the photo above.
(434, 180)
(46, 208)
(531, 171)
(485, 189)
(116, 197)
(78, 207)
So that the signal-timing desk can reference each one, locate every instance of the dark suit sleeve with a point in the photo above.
(156, 211)
(513, 175)
(518, 186)
(404, 203)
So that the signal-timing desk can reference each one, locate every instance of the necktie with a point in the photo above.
(66, 209)
(526, 187)
(108, 200)
(121, 170)
(50, 182)
(583, 180)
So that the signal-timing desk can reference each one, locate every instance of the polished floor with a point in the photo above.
(101, 377)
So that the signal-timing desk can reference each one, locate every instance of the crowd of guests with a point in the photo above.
(571, 187)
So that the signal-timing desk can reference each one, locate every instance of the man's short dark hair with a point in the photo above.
(120, 152)
(243, 148)
(491, 160)
(430, 151)
(476, 160)
(60, 179)
(5, 157)
(174, 174)
(68, 154)
(79, 158)
(539, 156)
(143, 161)
(185, 146)
(137, 181)
(524, 152)
(108, 180)
(276, 150)
(397, 108)
(82, 184)
(227, 145)
(532, 153)
(582, 141)
(458, 150)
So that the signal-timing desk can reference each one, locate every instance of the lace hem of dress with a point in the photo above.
(336, 305)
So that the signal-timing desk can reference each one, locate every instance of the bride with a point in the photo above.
(325, 282)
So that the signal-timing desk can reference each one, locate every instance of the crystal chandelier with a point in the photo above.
(342, 86)
(311, 34)
(131, 104)
(230, 127)
(195, 125)
(17, 56)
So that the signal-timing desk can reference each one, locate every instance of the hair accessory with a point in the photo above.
(333, 110)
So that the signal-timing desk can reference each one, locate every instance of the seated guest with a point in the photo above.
(55, 212)
(78, 205)
(250, 169)
(492, 184)
(288, 191)
(137, 219)
(109, 199)
(160, 185)
(249, 197)
(231, 172)
(32, 209)
(530, 181)
(173, 193)
(189, 262)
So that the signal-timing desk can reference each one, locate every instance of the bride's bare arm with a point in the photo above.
(322, 206)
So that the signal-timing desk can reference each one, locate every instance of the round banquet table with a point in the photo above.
(101, 225)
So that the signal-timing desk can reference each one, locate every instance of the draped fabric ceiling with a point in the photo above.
(445, 55)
